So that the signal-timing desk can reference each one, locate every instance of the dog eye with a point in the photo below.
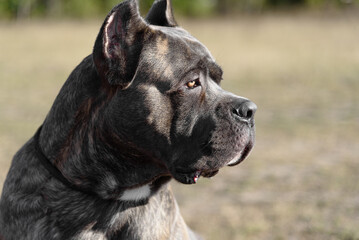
(194, 83)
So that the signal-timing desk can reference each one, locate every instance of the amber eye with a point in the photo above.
(192, 84)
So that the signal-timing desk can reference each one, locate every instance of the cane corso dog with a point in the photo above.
(145, 107)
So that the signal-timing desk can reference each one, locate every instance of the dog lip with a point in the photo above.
(191, 177)
(187, 177)
(210, 173)
(241, 155)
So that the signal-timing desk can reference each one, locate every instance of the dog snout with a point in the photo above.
(244, 109)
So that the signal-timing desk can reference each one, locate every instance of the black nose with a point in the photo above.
(245, 110)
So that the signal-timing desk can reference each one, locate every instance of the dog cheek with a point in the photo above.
(160, 110)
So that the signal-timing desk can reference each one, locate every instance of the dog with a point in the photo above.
(144, 108)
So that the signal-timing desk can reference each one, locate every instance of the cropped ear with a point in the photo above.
(161, 14)
(119, 44)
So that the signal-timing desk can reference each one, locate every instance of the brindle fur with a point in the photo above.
(123, 120)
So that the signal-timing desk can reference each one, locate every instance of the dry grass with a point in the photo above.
(300, 182)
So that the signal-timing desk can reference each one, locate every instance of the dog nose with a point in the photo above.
(245, 110)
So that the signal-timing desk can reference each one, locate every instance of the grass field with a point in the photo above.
(301, 180)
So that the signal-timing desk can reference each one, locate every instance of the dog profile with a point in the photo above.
(144, 108)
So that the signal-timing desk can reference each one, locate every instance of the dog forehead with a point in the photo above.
(177, 41)
(171, 51)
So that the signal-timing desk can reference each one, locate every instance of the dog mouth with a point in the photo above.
(192, 177)
(241, 155)
(186, 176)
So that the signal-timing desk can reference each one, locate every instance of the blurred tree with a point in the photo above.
(95, 8)
(278, 3)
(52, 7)
(24, 8)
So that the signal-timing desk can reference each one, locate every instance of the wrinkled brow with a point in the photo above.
(214, 70)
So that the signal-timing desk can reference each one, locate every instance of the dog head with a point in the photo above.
(168, 101)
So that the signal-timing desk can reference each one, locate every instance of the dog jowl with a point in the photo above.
(145, 107)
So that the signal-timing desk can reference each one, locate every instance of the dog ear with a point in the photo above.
(161, 14)
(119, 44)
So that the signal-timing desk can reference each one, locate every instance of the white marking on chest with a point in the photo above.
(136, 194)
(91, 235)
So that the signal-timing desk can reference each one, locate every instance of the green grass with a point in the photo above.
(301, 180)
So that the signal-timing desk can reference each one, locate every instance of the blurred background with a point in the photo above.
(77, 9)
(298, 60)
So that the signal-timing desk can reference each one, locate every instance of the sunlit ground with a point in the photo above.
(301, 180)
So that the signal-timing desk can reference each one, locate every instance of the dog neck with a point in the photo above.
(81, 144)
(137, 193)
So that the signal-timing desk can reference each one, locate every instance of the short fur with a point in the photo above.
(143, 108)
